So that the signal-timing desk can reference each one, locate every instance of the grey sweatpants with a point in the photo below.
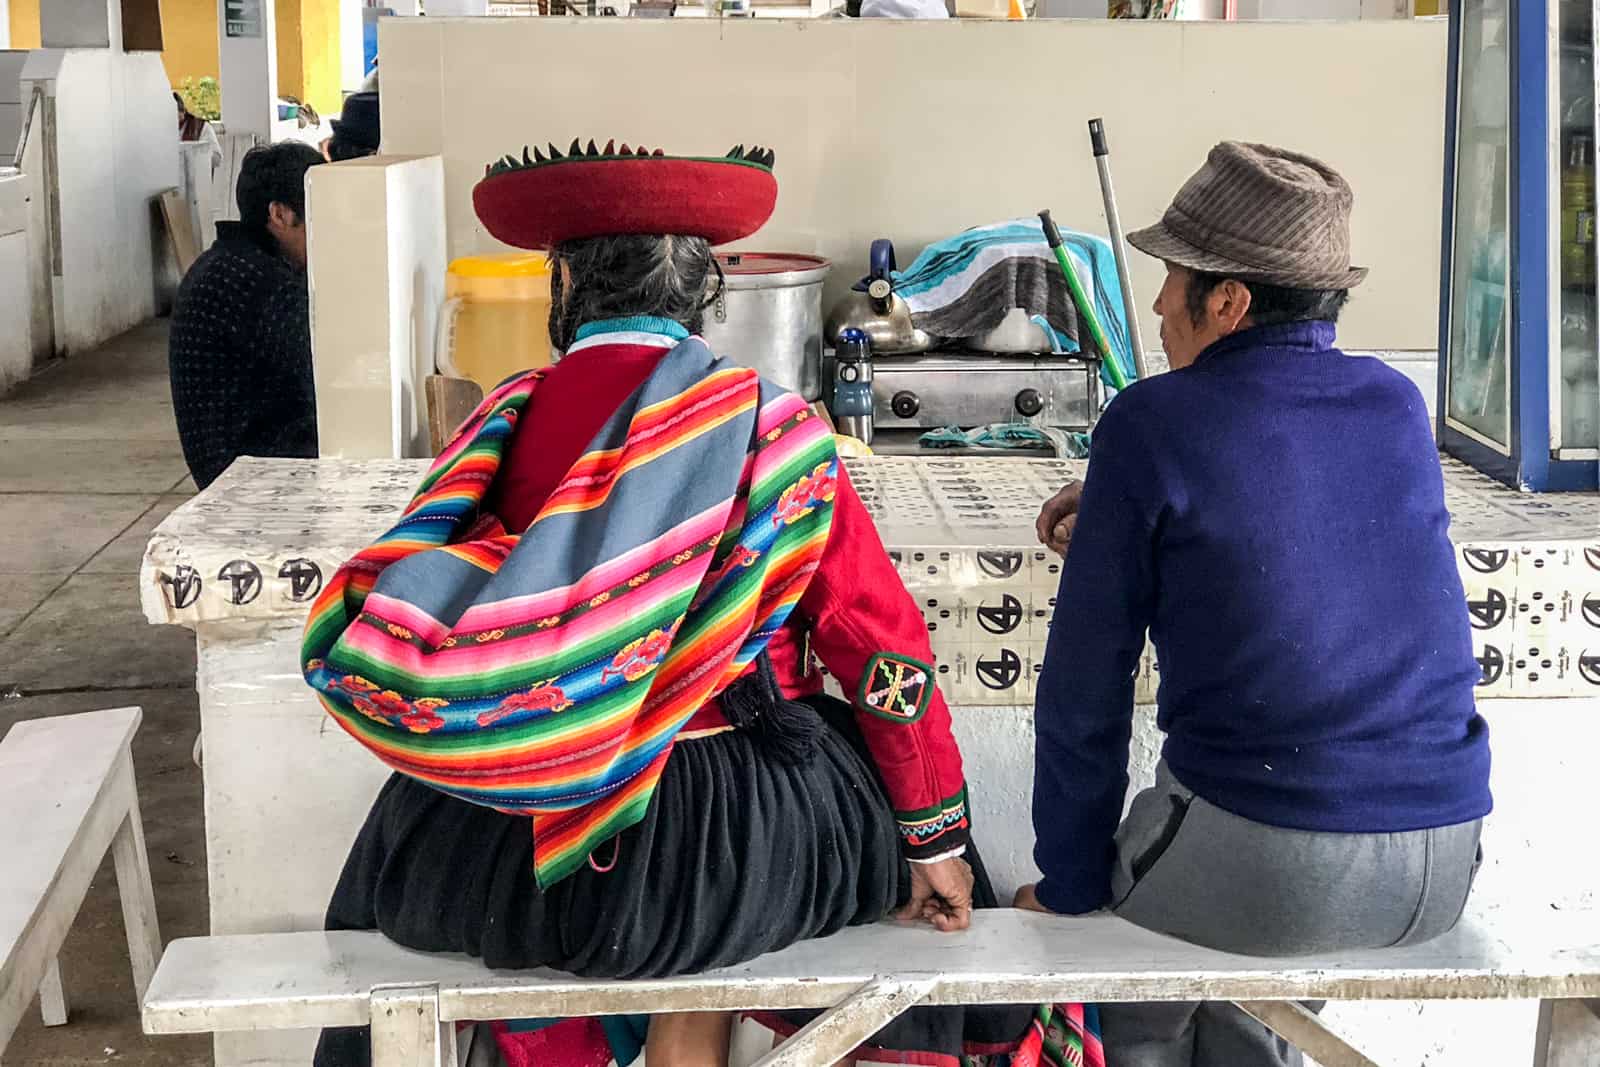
(1187, 868)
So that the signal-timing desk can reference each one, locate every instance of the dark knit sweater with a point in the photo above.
(240, 356)
(1274, 515)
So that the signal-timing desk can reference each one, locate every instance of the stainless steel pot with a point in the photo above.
(769, 317)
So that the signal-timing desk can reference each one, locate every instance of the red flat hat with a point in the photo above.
(540, 201)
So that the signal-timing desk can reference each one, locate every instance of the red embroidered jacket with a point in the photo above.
(855, 615)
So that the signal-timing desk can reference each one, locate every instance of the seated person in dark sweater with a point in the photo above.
(1272, 512)
(240, 349)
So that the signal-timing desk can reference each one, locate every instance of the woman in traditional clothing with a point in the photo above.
(590, 648)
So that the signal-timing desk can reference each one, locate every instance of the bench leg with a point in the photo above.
(831, 1036)
(134, 887)
(1305, 1031)
(53, 996)
(406, 1031)
(1568, 1034)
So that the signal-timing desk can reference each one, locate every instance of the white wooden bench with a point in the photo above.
(68, 794)
(866, 976)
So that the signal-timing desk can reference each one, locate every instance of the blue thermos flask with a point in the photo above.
(852, 385)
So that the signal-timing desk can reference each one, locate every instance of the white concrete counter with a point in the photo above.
(286, 790)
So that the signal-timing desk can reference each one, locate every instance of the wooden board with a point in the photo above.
(180, 230)
(450, 402)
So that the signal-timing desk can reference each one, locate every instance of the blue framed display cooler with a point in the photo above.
(1518, 351)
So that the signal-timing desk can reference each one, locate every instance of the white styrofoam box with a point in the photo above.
(375, 245)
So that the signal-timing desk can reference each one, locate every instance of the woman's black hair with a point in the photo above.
(664, 276)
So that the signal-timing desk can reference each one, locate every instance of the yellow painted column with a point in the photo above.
(308, 52)
(24, 23)
(289, 49)
(319, 55)
(189, 38)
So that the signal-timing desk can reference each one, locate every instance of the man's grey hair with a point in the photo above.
(665, 276)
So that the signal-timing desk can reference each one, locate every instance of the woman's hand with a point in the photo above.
(941, 894)
(1028, 900)
(1058, 517)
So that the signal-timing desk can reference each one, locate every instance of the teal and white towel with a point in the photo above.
(962, 287)
(1067, 444)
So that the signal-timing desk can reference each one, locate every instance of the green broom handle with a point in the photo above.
(1119, 379)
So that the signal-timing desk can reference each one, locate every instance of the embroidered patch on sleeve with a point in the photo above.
(923, 830)
(897, 688)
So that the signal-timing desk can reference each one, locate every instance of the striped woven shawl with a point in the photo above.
(548, 674)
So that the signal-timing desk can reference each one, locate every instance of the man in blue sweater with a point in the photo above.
(1272, 512)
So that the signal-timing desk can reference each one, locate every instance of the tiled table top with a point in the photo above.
(260, 542)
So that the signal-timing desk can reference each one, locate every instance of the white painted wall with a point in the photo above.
(964, 144)
(1070, 9)
(1299, 9)
(115, 153)
(11, 63)
(16, 329)
(41, 293)
(1247, 10)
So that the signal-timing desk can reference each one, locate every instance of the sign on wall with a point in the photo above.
(242, 18)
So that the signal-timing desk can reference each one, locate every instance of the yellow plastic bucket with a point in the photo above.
(495, 319)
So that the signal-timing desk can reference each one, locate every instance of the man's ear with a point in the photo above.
(1229, 304)
(282, 216)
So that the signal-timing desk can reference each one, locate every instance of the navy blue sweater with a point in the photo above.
(1274, 516)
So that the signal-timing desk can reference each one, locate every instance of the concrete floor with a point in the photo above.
(89, 464)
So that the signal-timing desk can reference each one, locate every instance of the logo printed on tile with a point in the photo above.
(1001, 618)
(1486, 560)
(244, 581)
(1591, 609)
(1589, 667)
(1492, 663)
(1000, 564)
(183, 586)
(304, 578)
(1489, 612)
(1001, 671)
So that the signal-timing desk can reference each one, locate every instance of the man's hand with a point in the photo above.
(1058, 517)
(941, 894)
(1028, 900)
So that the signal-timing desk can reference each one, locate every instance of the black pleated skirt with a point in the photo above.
(739, 854)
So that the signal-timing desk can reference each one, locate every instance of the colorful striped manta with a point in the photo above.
(547, 674)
